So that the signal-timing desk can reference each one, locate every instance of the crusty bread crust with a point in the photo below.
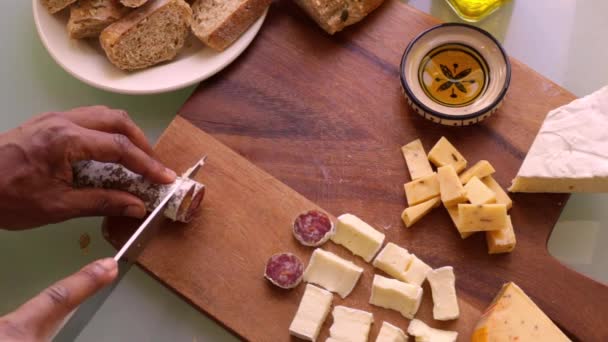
(55, 6)
(334, 17)
(113, 33)
(133, 3)
(89, 17)
(233, 26)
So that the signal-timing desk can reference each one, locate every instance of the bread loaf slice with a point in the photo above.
(89, 17)
(55, 6)
(335, 15)
(133, 3)
(149, 35)
(218, 23)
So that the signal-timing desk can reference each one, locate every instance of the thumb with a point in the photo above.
(103, 202)
(41, 315)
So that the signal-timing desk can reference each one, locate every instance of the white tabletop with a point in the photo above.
(563, 40)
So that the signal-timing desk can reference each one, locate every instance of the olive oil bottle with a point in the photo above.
(475, 10)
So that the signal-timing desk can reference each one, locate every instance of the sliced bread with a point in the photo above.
(55, 6)
(149, 35)
(133, 3)
(218, 23)
(335, 15)
(89, 17)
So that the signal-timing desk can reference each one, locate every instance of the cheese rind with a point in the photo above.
(452, 191)
(481, 169)
(513, 314)
(416, 160)
(501, 195)
(569, 152)
(444, 153)
(416, 271)
(350, 324)
(312, 312)
(421, 189)
(424, 333)
(453, 212)
(413, 214)
(479, 193)
(390, 333)
(358, 237)
(503, 240)
(483, 217)
(332, 272)
(443, 289)
(396, 295)
(393, 260)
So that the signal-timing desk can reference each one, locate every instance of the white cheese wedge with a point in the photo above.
(358, 237)
(393, 260)
(396, 295)
(570, 152)
(443, 288)
(390, 333)
(416, 272)
(424, 333)
(350, 325)
(332, 272)
(312, 312)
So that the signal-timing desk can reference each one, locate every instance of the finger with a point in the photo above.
(117, 148)
(102, 202)
(102, 118)
(42, 314)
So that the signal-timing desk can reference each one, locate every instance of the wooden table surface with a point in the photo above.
(325, 116)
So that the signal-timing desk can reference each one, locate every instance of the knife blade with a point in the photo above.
(78, 319)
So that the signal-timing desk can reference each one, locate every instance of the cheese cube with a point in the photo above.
(501, 195)
(424, 333)
(357, 236)
(513, 313)
(453, 211)
(503, 240)
(479, 193)
(416, 271)
(443, 288)
(444, 153)
(413, 214)
(393, 260)
(350, 324)
(390, 333)
(481, 169)
(416, 160)
(421, 189)
(332, 272)
(314, 308)
(396, 295)
(483, 217)
(452, 191)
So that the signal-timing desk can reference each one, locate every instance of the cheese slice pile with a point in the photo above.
(570, 152)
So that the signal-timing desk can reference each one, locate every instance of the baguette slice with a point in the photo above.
(218, 23)
(89, 17)
(55, 6)
(151, 34)
(133, 3)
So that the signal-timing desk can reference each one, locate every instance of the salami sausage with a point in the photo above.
(313, 228)
(181, 207)
(284, 270)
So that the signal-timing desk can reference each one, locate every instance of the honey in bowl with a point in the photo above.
(453, 75)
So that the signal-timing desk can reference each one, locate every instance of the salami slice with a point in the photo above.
(284, 270)
(181, 207)
(313, 228)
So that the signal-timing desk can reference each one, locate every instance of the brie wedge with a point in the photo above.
(350, 325)
(311, 314)
(332, 272)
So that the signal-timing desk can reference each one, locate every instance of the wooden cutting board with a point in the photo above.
(325, 116)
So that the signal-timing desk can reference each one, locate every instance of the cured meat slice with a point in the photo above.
(284, 270)
(181, 207)
(313, 228)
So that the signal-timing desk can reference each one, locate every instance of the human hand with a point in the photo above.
(40, 317)
(36, 166)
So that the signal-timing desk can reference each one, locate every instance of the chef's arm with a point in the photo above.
(36, 166)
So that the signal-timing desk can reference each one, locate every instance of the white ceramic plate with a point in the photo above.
(86, 61)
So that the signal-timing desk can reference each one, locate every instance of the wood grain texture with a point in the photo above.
(325, 116)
